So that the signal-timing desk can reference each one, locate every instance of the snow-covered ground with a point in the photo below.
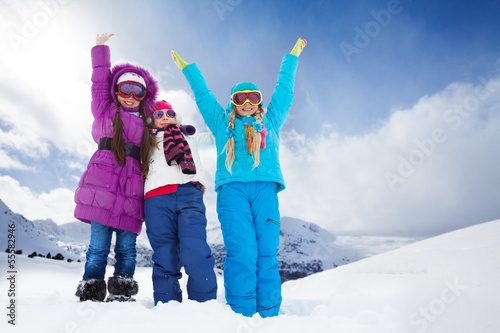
(445, 284)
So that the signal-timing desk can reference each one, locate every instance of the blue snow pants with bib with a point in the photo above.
(249, 217)
(176, 228)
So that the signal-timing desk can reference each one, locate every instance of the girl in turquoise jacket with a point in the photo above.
(247, 181)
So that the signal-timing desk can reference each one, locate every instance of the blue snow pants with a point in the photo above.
(176, 228)
(250, 222)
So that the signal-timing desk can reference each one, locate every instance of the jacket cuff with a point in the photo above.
(100, 56)
(290, 63)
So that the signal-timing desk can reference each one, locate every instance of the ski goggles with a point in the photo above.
(161, 113)
(239, 98)
(132, 88)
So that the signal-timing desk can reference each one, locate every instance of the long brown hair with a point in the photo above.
(148, 142)
(256, 140)
(117, 141)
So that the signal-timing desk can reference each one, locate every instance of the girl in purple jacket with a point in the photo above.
(110, 194)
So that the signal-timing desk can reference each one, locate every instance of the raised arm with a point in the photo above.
(101, 76)
(210, 109)
(282, 97)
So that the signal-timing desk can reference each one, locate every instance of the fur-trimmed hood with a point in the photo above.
(152, 85)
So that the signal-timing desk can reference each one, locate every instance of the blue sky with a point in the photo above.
(393, 130)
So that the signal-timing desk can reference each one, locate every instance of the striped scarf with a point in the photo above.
(177, 150)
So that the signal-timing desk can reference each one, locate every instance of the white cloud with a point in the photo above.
(7, 162)
(426, 170)
(23, 142)
(45, 81)
(57, 205)
(184, 104)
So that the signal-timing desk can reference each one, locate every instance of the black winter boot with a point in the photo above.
(122, 288)
(91, 290)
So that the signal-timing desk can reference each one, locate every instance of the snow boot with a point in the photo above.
(91, 290)
(121, 289)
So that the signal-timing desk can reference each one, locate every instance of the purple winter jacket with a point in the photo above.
(109, 193)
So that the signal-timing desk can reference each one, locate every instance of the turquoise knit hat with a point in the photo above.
(243, 86)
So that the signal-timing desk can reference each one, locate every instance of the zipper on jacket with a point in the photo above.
(218, 194)
(275, 222)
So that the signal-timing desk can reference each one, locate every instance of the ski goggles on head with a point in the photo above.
(132, 88)
(161, 113)
(239, 98)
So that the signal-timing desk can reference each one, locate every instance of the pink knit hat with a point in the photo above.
(162, 105)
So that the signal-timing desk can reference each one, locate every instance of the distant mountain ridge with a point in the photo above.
(305, 248)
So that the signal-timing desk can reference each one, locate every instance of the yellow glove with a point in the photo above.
(178, 60)
(299, 46)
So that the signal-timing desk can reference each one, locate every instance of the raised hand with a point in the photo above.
(178, 60)
(103, 38)
(299, 46)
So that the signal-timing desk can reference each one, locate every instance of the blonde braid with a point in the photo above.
(229, 148)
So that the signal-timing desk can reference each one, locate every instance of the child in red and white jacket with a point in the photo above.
(174, 210)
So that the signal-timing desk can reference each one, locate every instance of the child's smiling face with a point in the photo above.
(247, 109)
(128, 102)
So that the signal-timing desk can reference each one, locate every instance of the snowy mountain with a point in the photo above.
(28, 235)
(305, 248)
(445, 284)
